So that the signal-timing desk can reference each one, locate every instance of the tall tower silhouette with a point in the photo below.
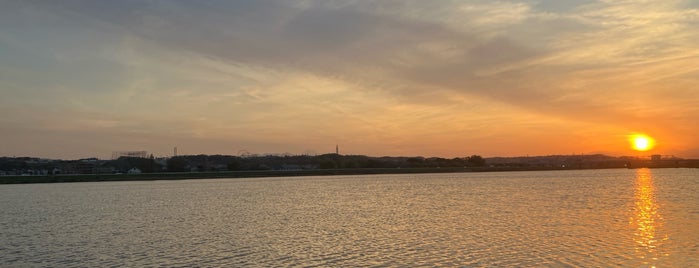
(337, 149)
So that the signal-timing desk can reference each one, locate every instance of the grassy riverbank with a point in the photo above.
(239, 174)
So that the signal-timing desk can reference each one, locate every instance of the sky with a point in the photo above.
(381, 78)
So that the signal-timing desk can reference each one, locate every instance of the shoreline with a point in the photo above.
(259, 174)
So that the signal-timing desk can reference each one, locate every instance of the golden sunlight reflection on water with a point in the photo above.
(647, 220)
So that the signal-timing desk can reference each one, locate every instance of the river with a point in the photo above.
(616, 217)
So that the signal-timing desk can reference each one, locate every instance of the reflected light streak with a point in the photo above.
(647, 218)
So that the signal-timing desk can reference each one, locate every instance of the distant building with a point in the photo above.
(138, 154)
(656, 157)
(77, 167)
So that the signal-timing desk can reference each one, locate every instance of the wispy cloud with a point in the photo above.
(403, 77)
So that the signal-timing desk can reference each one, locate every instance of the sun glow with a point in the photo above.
(641, 142)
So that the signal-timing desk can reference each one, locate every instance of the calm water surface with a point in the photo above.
(637, 218)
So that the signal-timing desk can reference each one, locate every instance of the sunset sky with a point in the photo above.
(400, 78)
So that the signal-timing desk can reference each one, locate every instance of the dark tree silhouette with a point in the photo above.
(476, 160)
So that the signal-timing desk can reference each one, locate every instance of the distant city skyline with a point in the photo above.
(84, 79)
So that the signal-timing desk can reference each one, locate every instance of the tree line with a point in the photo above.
(325, 161)
(204, 163)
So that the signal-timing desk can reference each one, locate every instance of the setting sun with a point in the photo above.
(641, 142)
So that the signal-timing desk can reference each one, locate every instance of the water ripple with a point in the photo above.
(517, 219)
